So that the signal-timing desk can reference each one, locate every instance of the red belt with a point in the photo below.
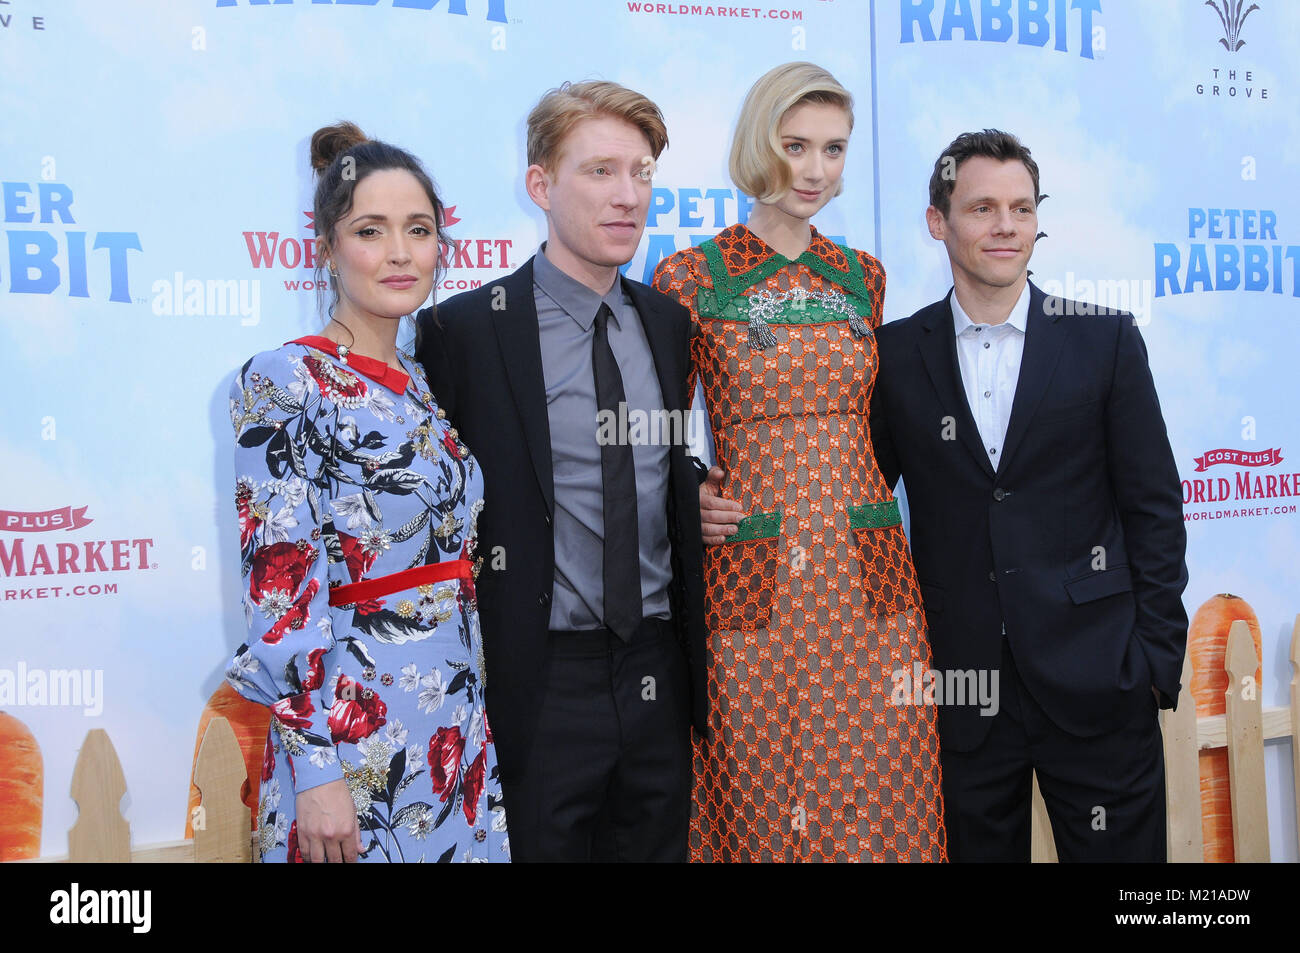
(368, 589)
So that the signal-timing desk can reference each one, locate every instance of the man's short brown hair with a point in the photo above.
(555, 115)
(991, 143)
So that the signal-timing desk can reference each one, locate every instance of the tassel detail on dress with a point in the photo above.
(857, 325)
(760, 335)
(763, 304)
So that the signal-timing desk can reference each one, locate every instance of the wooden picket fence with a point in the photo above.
(1242, 729)
(222, 832)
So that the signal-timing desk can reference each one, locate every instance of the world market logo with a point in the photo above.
(23, 558)
(1232, 18)
(496, 9)
(273, 250)
(45, 254)
(1244, 494)
(1032, 22)
(1240, 458)
(44, 521)
(269, 249)
(711, 11)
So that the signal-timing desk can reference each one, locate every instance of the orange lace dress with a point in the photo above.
(812, 607)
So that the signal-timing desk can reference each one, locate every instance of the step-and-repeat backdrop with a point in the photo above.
(155, 197)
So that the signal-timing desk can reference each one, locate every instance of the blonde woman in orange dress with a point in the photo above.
(820, 750)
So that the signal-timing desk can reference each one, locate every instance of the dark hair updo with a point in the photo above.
(342, 156)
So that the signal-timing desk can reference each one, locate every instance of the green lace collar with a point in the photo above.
(727, 285)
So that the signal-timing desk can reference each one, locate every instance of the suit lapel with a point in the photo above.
(1044, 338)
(521, 349)
(938, 348)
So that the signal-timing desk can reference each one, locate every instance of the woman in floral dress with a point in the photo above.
(357, 510)
(812, 605)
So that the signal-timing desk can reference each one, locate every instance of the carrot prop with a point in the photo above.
(1207, 641)
(250, 722)
(22, 790)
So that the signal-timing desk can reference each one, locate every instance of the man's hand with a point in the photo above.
(719, 516)
(327, 824)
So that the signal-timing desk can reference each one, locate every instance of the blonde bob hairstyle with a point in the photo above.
(758, 164)
(555, 115)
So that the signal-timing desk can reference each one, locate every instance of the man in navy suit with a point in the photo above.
(1046, 529)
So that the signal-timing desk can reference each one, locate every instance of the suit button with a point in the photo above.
(999, 494)
(993, 577)
(548, 519)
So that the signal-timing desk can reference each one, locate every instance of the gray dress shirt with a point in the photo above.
(566, 315)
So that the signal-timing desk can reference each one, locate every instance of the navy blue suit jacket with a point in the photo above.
(1076, 542)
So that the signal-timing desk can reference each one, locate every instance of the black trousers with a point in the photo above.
(608, 777)
(1105, 795)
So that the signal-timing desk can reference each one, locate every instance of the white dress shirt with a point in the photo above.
(989, 357)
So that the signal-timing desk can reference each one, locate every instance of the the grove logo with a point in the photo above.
(1233, 18)
(1234, 80)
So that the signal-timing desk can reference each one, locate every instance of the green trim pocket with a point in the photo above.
(874, 515)
(740, 575)
(758, 526)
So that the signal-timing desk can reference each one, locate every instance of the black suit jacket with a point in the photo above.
(1076, 542)
(484, 362)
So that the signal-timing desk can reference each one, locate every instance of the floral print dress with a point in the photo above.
(357, 514)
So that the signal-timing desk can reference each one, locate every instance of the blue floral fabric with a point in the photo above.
(346, 470)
